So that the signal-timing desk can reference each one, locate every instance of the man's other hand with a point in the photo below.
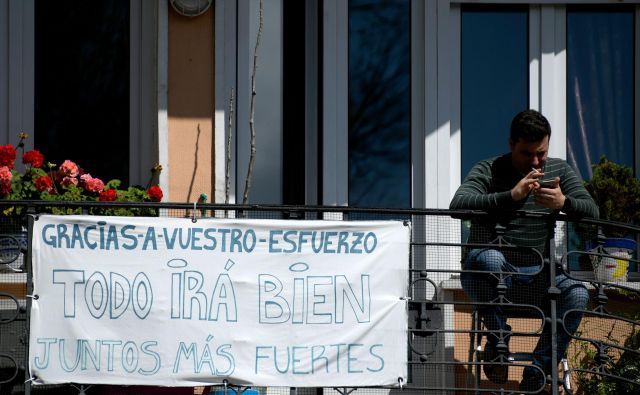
(549, 196)
(526, 185)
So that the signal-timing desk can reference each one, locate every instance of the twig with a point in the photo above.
(252, 157)
(227, 176)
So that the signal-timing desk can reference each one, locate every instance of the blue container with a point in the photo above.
(233, 391)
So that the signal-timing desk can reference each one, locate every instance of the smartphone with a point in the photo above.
(547, 183)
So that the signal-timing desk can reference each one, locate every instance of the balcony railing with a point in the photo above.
(449, 329)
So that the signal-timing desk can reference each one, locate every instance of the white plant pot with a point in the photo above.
(612, 263)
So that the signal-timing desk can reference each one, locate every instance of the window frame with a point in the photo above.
(147, 92)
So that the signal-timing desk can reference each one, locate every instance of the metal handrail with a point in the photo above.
(427, 304)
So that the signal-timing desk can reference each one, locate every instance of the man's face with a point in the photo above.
(527, 155)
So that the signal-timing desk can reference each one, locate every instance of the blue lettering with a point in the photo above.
(131, 238)
(87, 239)
(354, 245)
(328, 242)
(170, 241)
(112, 237)
(195, 239)
(371, 351)
(288, 240)
(208, 236)
(48, 239)
(150, 237)
(77, 236)
(369, 246)
(273, 242)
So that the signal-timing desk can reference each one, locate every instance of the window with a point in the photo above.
(600, 89)
(64, 96)
(494, 78)
(600, 93)
(82, 85)
(379, 103)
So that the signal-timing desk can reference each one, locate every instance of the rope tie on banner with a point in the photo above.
(32, 379)
(82, 390)
(193, 214)
(34, 297)
(400, 382)
(224, 382)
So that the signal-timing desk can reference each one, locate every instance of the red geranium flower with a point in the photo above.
(155, 193)
(33, 158)
(7, 155)
(44, 183)
(108, 196)
(5, 180)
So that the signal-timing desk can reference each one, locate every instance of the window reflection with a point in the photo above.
(600, 75)
(494, 78)
(82, 84)
(379, 103)
(600, 53)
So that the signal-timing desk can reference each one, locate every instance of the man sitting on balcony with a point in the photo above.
(523, 179)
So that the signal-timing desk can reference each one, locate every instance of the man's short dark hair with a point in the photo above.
(530, 126)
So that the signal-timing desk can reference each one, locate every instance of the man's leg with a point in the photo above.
(573, 296)
(482, 288)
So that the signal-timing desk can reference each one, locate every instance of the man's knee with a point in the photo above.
(489, 260)
(576, 297)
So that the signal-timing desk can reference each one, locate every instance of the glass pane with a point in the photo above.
(600, 53)
(494, 78)
(600, 75)
(82, 84)
(266, 185)
(379, 103)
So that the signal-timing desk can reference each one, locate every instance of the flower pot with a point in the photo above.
(612, 262)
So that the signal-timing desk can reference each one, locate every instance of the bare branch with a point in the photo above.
(252, 158)
(227, 176)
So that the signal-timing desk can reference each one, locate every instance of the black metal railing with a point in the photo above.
(448, 330)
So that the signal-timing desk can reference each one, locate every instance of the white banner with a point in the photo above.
(170, 302)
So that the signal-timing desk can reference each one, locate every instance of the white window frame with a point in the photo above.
(335, 111)
(225, 89)
(148, 82)
(234, 38)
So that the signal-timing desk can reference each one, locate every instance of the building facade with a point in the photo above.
(366, 103)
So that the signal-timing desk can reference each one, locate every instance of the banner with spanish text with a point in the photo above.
(171, 302)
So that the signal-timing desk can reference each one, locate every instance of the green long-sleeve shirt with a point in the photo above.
(488, 187)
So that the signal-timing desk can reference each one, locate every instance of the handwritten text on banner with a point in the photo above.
(166, 301)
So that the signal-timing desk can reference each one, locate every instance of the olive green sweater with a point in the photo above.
(488, 187)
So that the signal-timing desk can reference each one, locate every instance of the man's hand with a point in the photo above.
(526, 185)
(549, 197)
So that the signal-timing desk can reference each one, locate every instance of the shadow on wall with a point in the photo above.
(195, 165)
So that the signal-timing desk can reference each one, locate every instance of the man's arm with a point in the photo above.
(566, 193)
(578, 201)
(473, 193)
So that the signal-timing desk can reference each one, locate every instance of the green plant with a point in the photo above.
(42, 180)
(626, 366)
(616, 191)
(615, 362)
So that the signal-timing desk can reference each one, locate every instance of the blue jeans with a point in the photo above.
(525, 287)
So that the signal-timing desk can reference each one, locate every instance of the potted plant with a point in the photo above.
(617, 193)
(41, 180)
